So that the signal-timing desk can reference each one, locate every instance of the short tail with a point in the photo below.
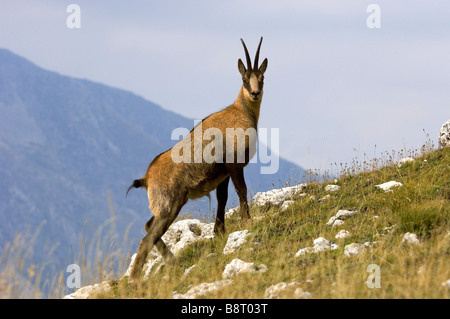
(137, 184)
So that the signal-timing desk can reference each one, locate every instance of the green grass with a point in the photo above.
(420, 206)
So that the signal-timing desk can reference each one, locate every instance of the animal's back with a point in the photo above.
(198, 177)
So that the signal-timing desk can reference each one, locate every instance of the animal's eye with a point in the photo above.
(244, 79)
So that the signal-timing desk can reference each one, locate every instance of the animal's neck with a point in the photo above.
(251, 107)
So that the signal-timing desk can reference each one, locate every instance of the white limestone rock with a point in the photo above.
(410, 238)
(341, 214)
(235, 240)
(304, 251)
(342, 234)
(368, 244)
(202, 289)
(179, 235)
(326, 197)
(188, 270)
(405, 160)
(337, 222)
(353, 249)
(446, 284)
(301, 294)
(237, 266)
(231, 212)
(444, 135)
(274, 291)
(278, 196)
(286, 204)
(186, 232)
(387, 187)
(86, 291)
(320, 244)
(332, 188)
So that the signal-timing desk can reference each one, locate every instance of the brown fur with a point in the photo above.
(169, 185)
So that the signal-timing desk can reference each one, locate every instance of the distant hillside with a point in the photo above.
(69, 148)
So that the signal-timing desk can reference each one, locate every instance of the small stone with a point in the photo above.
(368, 244)
(87, 291)
(235, 240)
(188, 270)
(444, 135)
(332, 188)
(410, 238)
(343, 234)
(420, 270)
(274, 291)
(286, 204)
(321, 244)
(353, 249)
(301, 294)
(326, 197)
(237, 266)
(338, 222)
(202, 289)
(231, 212)
(277, 196)
(342, 213)
(387, 187)
(405, 160)
(304, 251)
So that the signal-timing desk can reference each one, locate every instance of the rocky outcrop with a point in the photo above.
(444, 135)
(237, 266)
(278, 196)
(387, 187)
(202, 289)
(342, 214)
(320, 244)
(87, 291)
(286, 289)
(179, 235)
(410, 238)
(235, 240)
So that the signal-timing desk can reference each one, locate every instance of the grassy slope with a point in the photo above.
(421, 206)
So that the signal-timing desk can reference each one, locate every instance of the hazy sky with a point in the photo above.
(334, 87)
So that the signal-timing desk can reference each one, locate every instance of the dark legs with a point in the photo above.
(156, 227)
(237, 177)
(162, 248)
(222, 196)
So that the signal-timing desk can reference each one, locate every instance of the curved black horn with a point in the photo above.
(247, 56)
(255, 67)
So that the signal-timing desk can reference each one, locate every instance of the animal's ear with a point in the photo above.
(263, 66)
(241, 67)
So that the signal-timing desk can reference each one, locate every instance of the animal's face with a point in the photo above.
(253, 82)
(252, 77)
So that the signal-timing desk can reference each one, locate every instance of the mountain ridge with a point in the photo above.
(69, 148)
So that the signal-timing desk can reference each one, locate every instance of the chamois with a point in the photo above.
(170, 184)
